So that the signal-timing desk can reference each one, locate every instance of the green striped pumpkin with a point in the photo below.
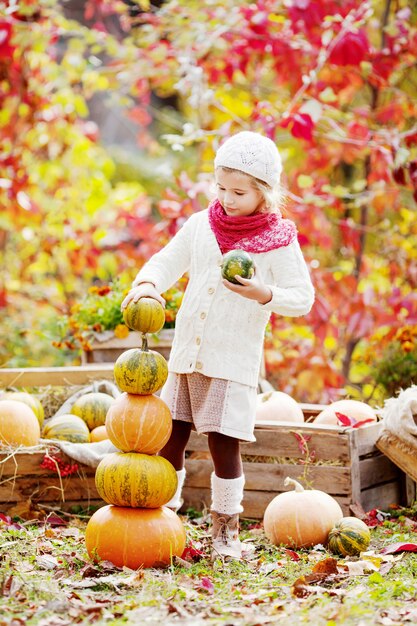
(349, 537)
(237, 262)
(67, 427)
(146, 315)
(92, 408)
(135, 480)
(140, 371)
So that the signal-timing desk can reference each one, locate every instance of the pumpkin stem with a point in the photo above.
(297, 486)
(145, 342)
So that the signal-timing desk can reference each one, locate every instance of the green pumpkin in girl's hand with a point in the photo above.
(237, 262)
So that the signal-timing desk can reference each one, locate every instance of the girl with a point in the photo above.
(217, 350)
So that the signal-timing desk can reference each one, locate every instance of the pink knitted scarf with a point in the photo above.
(253, 233)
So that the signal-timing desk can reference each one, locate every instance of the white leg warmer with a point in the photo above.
(176, 500)
(227, 494)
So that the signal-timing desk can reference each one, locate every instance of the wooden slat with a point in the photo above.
(44, 376)
(376, 470)
(29, 464)
(283, 442)
(254, 502)
(382, 496)
(409, 491)
(366, 437)
(355, 477)
(48, 489)
(401, 454)
(271, 476)
(134, 339)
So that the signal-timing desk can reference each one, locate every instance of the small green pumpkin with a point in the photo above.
(140, 371)
(237, 262)
(349, 537)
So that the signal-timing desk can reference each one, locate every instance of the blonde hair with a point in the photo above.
(274, 196)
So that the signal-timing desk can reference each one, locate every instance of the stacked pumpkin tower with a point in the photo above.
(135, 529)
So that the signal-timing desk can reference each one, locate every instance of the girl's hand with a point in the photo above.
(143, 290)
(253, 288)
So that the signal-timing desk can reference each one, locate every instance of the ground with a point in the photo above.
(47, 579)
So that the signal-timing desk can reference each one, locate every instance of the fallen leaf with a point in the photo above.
(192, 553)
(206, 584)
(46, 561)
(10, 586)
(359, 568)
(293, 555)
(399, 547)
(267, 568)
(181, 562)
(326, 566)
(303, 586)
(55, 520)
(345, 420)
(177, 609)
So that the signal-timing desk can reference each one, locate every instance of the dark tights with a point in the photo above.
(224, 450)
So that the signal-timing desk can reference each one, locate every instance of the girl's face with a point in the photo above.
(236, 193)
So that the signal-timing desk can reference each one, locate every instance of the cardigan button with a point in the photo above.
(198, 340)
(203, 315)
(211, 290)
(199, 365)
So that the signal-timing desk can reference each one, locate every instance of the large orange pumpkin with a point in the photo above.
(139, 423)
(278, 406)
(140, 371)
(146, 315)
(136, 480)
(358, 411)
(301, 518)
(135, 538)
(92, 408)
(19, 425)
(32, 401)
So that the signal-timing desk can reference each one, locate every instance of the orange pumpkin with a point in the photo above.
(136, 480)
(139, 423)
(278, 406)
(32, 401)
(99, 433)
(19, 425)
(301, 518)
(358, 411)
(135, 538)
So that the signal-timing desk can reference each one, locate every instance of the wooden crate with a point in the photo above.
(108, 351)
(344, 462)
(22, 479)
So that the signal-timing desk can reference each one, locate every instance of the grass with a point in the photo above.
(47, 579)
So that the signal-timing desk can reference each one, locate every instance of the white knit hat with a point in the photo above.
(253, 154)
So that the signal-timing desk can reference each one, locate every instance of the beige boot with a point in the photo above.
(225, 535)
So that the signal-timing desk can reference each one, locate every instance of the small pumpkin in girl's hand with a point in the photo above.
(237, 262)
(146, 315)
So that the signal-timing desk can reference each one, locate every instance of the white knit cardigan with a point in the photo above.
(217, 332)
